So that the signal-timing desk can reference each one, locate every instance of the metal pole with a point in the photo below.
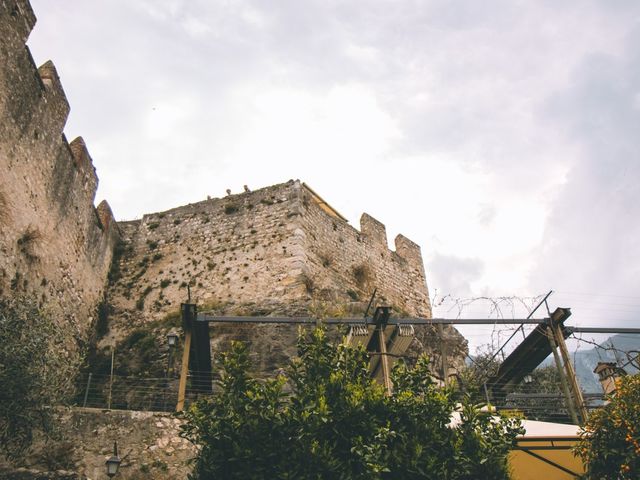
(86, 392)
(166, 381)
(563, 380)
(486, 393)
(444, 362)
(111, 378)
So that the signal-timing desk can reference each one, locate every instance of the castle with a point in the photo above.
(277, 250)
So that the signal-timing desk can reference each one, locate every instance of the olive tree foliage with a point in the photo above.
(35, 373)
(610, 440)
(324, 417)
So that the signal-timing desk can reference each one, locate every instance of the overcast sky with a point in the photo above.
(502, 136)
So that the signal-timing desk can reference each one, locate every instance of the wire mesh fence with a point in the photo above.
(161, 395)
(538, 403)
(137, 393)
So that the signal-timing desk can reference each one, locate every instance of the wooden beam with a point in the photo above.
(571, 373)
(562, 373)
(386, 374)
(184, 371)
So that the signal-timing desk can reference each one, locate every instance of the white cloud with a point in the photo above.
(501, 137)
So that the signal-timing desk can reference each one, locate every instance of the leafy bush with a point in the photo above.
(35, 373)
(610, 440)
(326, 418)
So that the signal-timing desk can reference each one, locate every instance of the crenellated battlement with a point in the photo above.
(84, 164)
(55, 104)
(20, 16)
(105, 215)
(47, 188)
(373, 230)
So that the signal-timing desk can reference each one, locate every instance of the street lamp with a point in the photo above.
(172, 339)
(113, 463)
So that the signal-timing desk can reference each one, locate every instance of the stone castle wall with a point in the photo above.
(54, 243)
(238, 250)
(149, 445)
(344, 263)
(280, 250)
(274, 250)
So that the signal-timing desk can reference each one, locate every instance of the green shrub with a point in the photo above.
(326, 418)
(610, 440)
(37, 371)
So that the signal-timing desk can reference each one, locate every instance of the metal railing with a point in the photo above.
(119, 392)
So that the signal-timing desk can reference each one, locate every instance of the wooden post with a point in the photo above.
(563, 379)
(571, 373)
(188, 312)
(444, 363)
(184, 371)
(386, 375)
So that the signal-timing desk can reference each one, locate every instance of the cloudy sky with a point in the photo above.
(502, 136)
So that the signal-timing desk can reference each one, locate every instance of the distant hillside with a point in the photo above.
(586, 360)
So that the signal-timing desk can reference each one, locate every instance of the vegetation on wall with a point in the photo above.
(4, 209)
(27, 243)
(610, 440)
(36, 372)
(326, 418)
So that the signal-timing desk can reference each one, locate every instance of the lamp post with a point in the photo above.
(113, 463)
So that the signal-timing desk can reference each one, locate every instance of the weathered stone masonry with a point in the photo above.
(53, 242)
(280, 250)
